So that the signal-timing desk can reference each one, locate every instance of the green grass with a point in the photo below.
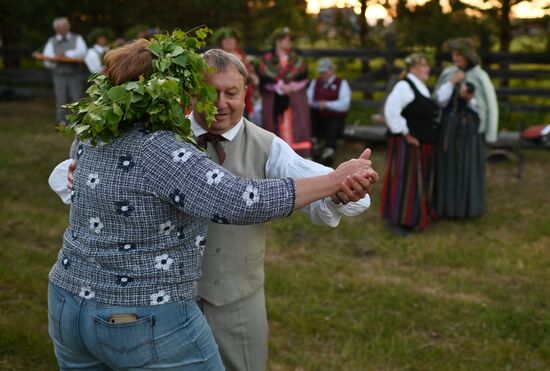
(464, 295)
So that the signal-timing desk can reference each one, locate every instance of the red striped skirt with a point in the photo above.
(407, 197)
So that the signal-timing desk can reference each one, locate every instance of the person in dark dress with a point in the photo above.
(470, 118)
(411, 115)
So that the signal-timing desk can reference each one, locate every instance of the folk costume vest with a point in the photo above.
(324, 91)
(233, 261)
(421, 115)
(59, 48)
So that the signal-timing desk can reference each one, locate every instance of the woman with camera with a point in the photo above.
(470, 118)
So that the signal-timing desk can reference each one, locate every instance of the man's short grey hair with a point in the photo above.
(220, 60)
(60, 21)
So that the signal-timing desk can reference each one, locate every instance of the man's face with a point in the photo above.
(325, 75)
(231, 90)
(101, 40)
(62, 29)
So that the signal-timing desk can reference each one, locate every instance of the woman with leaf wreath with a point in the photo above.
(283, 83)
(122, 291)
(470, 118)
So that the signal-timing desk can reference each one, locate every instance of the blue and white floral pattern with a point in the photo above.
(177, 197)
(163, 262)
(86, 292)
(126, 163)
(166, 228)
(127, 247)
(124, 208)
(65, 262)
(160, 297)
(200, 243)
(95, 225)
(250, 195)
(123, 280)
(93, 180)
(181, 155)
(214, 176)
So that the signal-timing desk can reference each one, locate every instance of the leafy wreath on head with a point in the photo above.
(177, 78)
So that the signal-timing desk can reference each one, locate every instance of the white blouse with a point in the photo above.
(399, 98)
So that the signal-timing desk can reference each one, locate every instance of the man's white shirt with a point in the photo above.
(344, 95)
(93, 58)
(79, 50)
(282, 162)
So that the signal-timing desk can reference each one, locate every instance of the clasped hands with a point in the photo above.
(355, 177)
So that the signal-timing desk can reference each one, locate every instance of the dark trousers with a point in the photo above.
(326, 128)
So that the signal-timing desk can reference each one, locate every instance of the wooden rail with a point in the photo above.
(26, 83)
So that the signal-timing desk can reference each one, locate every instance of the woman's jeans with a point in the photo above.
(171, 336)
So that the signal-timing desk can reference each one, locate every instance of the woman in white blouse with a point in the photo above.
(411, 116)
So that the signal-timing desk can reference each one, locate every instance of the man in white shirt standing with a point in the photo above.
(94, 56)
(329, 97)
(231, 288)
(68, 77)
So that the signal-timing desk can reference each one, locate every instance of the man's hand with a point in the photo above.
(357, 185)
(70, 175)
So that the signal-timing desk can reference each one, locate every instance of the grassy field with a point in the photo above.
(464, 295)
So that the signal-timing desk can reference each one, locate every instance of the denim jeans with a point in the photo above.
(171, 336)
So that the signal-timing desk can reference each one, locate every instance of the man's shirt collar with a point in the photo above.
(199, 130)
(68, 36)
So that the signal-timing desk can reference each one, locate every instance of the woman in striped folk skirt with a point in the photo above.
(411, 115)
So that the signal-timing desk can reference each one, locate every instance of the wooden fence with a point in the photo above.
(525, 70)
(518, 85)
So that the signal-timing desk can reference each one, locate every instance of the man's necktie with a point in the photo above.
(215, 139)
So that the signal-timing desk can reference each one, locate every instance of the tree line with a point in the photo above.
(29, 23)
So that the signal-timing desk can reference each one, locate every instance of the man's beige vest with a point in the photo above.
(233, 262)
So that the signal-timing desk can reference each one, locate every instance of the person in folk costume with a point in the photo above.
(283, 80)
(99, 37)
(68, 78)
(227, 39)
(411, 116)
(329, 97)
(470, 117)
